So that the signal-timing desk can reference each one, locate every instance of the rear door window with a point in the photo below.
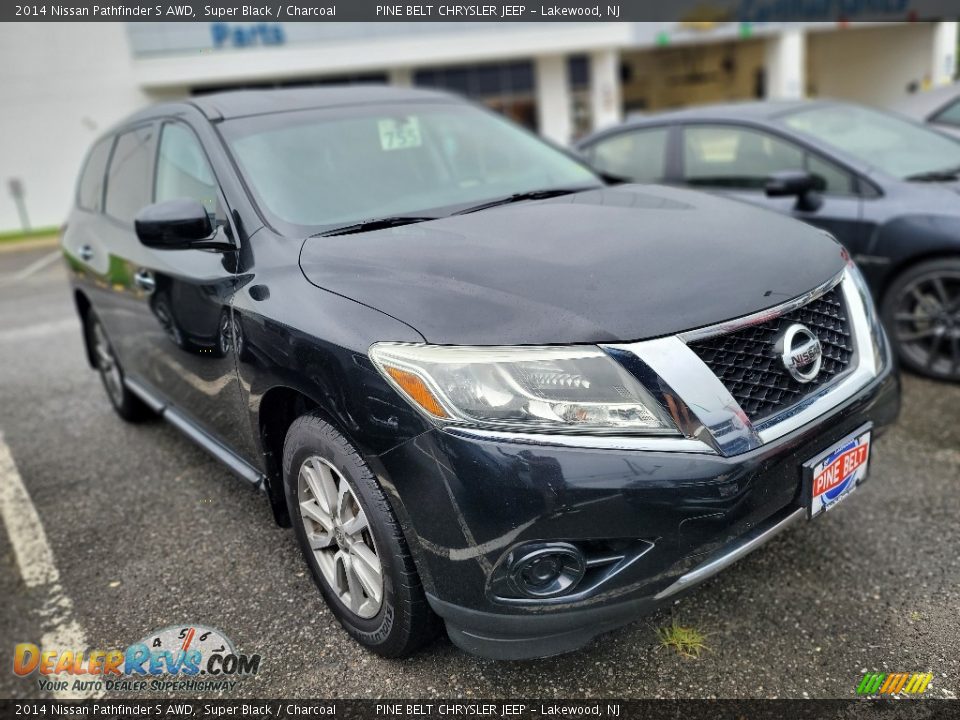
(90, 187)
(130, 176)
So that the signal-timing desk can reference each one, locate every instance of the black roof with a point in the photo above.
(239, 103)
(242, 103)
(759, 109)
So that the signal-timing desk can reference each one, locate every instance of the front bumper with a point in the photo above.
(466, 502)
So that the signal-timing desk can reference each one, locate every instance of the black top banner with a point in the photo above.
(694, 12)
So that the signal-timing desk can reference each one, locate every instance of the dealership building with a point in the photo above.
(63, 83)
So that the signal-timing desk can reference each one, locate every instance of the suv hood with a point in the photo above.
(616, 264)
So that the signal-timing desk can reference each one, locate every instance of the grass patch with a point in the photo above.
(19, 235)
(687, 641)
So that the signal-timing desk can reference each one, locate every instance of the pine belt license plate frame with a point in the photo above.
(839, 489)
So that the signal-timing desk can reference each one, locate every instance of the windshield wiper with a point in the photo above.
(519, 197)
(945, 175)
(376, 224)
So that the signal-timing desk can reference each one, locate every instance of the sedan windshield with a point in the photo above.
(894, 146)
(315, 170)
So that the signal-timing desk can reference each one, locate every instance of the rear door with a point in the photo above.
(123, 308)
(736, 160)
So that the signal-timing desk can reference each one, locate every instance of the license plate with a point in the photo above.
(834, 474)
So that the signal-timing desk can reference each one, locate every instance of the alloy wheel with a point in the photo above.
(927, 322)
(339, 536)
(107, 364)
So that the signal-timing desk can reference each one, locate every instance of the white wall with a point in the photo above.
(606, 101)
(944, 53)
(872, 65)
(62, 84)
(553, 98)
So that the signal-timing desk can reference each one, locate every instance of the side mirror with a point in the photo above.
(178, 225)
(801, 184)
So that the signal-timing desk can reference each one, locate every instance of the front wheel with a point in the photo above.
(921, 310)
(352, 542)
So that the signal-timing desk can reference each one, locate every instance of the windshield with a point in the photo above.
(317, 169)
(895, 146)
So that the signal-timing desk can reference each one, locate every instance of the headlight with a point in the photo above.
(553, 389)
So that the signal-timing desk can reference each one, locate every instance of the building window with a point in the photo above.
(578, 78)
(507, 88)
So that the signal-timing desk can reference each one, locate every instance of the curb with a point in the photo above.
(29, 244)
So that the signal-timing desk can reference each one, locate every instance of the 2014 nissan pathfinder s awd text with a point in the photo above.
(485, 386)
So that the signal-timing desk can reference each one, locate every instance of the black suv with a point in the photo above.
(484, 386)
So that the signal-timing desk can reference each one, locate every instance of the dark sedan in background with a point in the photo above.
(939, 108)
(884, 186)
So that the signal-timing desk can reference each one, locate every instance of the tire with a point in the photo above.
(315, 455)
(127, 405)
(921, 311)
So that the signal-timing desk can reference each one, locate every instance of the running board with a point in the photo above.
(238, 465)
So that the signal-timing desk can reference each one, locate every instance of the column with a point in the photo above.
(553, 98)
(944, 53)
(401, 77)
(606, 105)
(786, 65)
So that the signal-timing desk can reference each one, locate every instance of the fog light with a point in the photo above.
(546, 570)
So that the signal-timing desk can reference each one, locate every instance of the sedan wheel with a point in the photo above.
(339, 536)
(925, 321)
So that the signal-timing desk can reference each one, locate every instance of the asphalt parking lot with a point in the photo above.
(147, 531)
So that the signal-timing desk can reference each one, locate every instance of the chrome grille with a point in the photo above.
(748, 365)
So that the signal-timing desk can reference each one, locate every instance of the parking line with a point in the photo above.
(32, 268)
(36, 330)
(38, 568)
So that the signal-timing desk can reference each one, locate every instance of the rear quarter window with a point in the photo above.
(90, 185)
(637, 155)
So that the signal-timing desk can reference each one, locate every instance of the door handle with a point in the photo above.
(85, 252)
(143, 279)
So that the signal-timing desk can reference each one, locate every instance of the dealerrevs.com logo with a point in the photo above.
(894, 683)
(192, 658)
